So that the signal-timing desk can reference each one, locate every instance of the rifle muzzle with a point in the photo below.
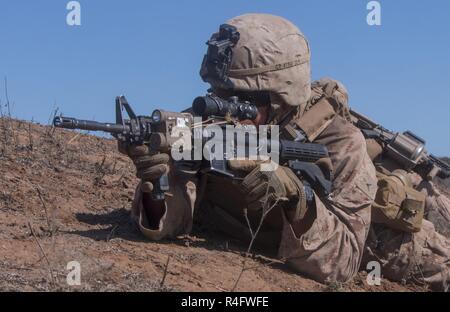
(73, 123)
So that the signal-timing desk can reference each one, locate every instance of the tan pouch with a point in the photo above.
(397, 205)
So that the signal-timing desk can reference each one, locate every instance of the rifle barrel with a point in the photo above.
(73, 123)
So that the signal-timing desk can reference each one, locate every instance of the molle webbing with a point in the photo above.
(316, 119)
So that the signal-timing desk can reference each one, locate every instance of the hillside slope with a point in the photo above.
(66, 197)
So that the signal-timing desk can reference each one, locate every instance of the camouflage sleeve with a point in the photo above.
(332, 248)
(179, 206)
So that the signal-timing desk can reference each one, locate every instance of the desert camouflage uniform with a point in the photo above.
(437, 205)
(331, 249)
(422, 257)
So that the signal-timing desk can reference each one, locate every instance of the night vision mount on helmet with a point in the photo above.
(217, 61)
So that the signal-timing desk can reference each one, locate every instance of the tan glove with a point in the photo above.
(264, 189)
(150, 166)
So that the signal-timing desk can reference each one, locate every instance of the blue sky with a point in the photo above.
(397, 73)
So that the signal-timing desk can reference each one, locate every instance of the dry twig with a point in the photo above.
(30, 138)
(43, 253)
(254, 234)
(49, 224)
(111, 234)
(161, 285)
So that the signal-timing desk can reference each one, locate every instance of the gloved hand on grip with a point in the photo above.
(150, 166)
(266, 188)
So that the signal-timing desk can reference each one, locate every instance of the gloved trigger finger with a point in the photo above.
(150, 161)
(153, 173)
(138, 150)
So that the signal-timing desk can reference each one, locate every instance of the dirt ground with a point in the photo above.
(66, 196)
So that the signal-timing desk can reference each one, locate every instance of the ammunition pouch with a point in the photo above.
(397, 205)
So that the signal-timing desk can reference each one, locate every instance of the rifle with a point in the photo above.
(407, 149)
(301, 157)
(154, 130)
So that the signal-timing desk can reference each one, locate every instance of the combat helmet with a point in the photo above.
(260, 52)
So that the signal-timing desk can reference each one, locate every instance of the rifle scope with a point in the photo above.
(211, 105)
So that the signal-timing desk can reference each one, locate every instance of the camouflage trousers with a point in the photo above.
(437, 207)
(421, 258)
